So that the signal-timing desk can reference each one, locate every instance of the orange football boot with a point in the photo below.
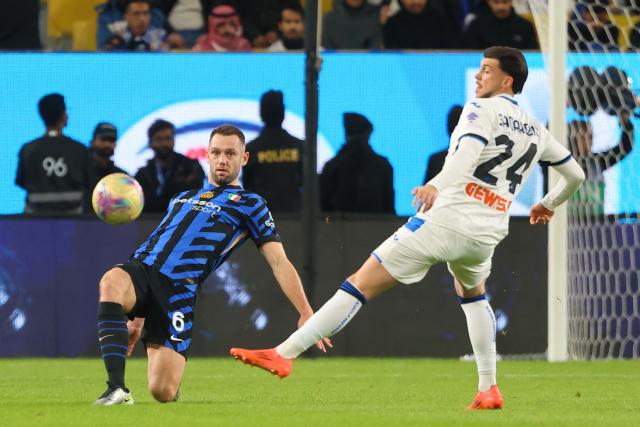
(267, 359)
(490, 399)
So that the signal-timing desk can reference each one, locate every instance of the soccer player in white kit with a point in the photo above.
(462, 214)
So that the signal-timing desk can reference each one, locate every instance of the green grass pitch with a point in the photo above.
(325, 392)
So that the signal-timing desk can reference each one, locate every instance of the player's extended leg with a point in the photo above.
(367, 283)
(481, 324)
(165, 371)
(117, 297)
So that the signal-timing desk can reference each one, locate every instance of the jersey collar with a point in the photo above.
(209, 186)
(509, 98)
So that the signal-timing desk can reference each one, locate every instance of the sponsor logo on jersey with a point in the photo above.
(206, 195)
(472, 116)
(200, 205)
(487, 197)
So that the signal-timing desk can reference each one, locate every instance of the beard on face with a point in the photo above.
(104, 152)
(163, 153)
(228, 179)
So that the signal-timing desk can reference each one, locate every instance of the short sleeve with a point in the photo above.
(554, 154)
(475, 121)
(260, 224)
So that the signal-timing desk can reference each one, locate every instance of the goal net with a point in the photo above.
(602, 79)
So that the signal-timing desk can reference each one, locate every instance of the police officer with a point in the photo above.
(274, 170)
(53, 169)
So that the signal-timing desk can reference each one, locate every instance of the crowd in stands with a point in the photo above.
(278, 25)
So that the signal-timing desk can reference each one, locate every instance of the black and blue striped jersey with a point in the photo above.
(202, 228)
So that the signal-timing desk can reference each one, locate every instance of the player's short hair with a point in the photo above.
(228, 130)
(52, 108)
(129, 2)
(293, 6)
(512, 63)
(159, 125)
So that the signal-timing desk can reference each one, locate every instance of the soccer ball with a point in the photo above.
(117, 199)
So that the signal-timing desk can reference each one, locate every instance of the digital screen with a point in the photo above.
(43, 298)
(405, 95)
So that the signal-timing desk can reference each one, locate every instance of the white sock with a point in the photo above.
(481, 324)
(329, 320)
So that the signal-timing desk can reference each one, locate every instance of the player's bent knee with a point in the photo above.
(164, 393)
(112, 287)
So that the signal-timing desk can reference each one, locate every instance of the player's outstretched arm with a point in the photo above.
(290, 283)
(572, 179)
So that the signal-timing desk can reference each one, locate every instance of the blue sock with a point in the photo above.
(113, 338)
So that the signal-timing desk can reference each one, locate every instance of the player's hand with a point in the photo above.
(322, 344)
(424, 197)
(540, 214)
(135, 331)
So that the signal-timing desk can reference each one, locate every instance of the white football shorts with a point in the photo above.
(409, 253)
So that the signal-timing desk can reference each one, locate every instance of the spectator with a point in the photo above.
(357, 179)
(185, 21)
(291, 29)
(436, 160)
(591, 29)
(417, 25)
(352, 24)
(224, 33)
(260, 19)
(589, 199)
(499, 25)
(168, 172)
(274, 169)
(135, 33)
(111, 19)
(53, 169)
(19, 25)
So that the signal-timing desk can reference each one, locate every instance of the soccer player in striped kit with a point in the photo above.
(156, 289)
(463, 213)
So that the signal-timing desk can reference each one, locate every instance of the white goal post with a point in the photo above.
(591, 56)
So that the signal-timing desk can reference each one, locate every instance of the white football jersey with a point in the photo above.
(478, 203)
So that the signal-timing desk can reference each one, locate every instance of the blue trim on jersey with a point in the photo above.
(561, 162)
(179, 297)
(183, 310)
(166, 236)
(472, 299)
(184, 345)
(474, 136)
(414, 223)
(375, 255)
(353, 291)
(511, 100)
